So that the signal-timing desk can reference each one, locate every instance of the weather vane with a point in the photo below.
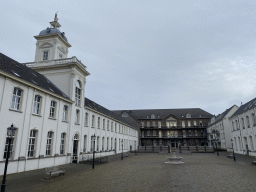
(56, 18)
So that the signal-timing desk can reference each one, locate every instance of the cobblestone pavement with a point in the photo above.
(146, 172)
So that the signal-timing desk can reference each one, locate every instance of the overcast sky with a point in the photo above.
(148, 54)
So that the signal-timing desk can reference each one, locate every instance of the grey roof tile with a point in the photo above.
(14, 68)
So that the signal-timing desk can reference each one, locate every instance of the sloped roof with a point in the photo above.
(181, 113)
(222, 115)
(21, 71)
(91, 104)
(245, 107)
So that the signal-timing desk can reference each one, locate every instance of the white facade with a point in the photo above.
(219, 130)
(244, 130)
(55, 129)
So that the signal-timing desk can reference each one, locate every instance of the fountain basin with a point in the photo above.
(174, 160)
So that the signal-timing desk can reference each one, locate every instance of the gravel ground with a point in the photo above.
(146, 172)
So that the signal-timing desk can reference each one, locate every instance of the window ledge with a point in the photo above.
(37, 115)
(77, 123)
(64, 121)
(86, 125)
(52, 118)
(16, 110)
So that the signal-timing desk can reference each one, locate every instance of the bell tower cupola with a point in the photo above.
(52, 44)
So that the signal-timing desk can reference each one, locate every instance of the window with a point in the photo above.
(242, 120)
(32, 142)
(111, 144)
(200, 124)
(154, 123)
(189, 124)
(159, 124)
(65, 113)
(11, 146)
(37, 105)
(119, 129)
(115, 127)
(148, 124)
(78, 93)
(85, 143)
(248, 121)
(98, 122)
(104, 124)
(102, 143)
(98, 142)
(62, 143)
(16, 99)
(183, 124)
(52, 109)
(194, 123)
(107, 143)
(49, 143)
(253, 119)
(77, 116)
(188, 115)
(86, 119)
(45, 55)
(93, 119)
(111, 126)
(108, 125)
(142, 124)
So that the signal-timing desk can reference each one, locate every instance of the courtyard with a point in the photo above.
(146, 172)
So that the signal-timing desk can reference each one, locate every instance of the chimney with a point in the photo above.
(241, 103)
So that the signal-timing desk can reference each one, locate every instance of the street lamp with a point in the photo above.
(234, 157)
(122, 155)
(10, 134)
(93, 139)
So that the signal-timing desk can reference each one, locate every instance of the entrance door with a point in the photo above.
(75, 145)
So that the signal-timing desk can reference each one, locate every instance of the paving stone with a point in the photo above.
(146, 172)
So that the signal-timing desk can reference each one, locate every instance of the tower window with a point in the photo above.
(45, 56)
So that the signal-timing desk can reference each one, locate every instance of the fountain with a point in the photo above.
(174, 159)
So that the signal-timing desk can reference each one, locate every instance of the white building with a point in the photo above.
(53, 121)
(219, 130)
(243, 123)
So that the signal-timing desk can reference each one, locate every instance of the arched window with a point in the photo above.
(49, 143)
(78, 93)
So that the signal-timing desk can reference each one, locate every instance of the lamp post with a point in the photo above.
(10, 134)
(122, 155)
(234, 157)
(135, 149)
(93, 138)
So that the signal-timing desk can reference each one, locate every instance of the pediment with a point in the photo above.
(46, 45)
(171, 119)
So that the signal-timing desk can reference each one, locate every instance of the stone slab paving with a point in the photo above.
(146, 172)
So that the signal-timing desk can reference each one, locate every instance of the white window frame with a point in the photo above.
(16, 99)
(32, 143)
(53, 109)
(86, 119)
(48, 151)
(78, 94)
(77, 117)
(62, 143)
(46, 56)
(65, 113)
(37, 105)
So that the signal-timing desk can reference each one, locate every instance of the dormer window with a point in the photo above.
(45, 55)
(153, 116)
(188, 115)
